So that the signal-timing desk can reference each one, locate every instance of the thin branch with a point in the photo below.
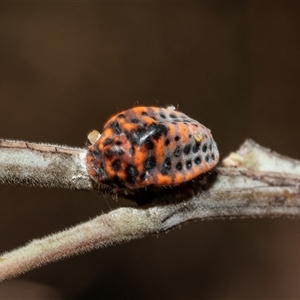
(44, 165)
(255, 182)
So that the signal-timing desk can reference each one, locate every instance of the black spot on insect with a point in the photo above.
(95, 153)
(207, 158)
(157, 130)
(213, 157)
(107, 142)
(153, 118)
(195, 124)
(109, 153)
(210, 147)
(173, 116)
(167, 142)
(150, 163)
(135, 121)
(174, 123)
(121, 116)
(131, 173)
(143, 177)
(144, 113)
(149, 144)
(188, 164)
(187, 149)
(204, 148)
(166, 167)
(177, 138)
(185, 123)
(197, 160)
(131, 151)
(120, 151)
(116, 127)
(127, 134)
(163, 116)
(177, 151)
(118, 143)
(196, 148)
(164, 129)
(136, 136)
(190, 136)
(116, 165)
(179, 166)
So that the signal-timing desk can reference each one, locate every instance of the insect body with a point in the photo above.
(145, 146)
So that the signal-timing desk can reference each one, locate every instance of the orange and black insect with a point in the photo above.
(145, 146)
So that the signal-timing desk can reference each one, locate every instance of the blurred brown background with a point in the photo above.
(66, 67)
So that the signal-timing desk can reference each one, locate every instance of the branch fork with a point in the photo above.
(253, 182)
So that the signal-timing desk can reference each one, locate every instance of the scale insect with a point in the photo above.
(145, 146)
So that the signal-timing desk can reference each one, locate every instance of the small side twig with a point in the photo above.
(255, 182)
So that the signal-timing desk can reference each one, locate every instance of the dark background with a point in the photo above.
(66, 67)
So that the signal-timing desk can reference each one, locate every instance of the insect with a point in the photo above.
(145, 146)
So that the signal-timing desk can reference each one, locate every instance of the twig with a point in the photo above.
(255, 182)
(44, 165)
